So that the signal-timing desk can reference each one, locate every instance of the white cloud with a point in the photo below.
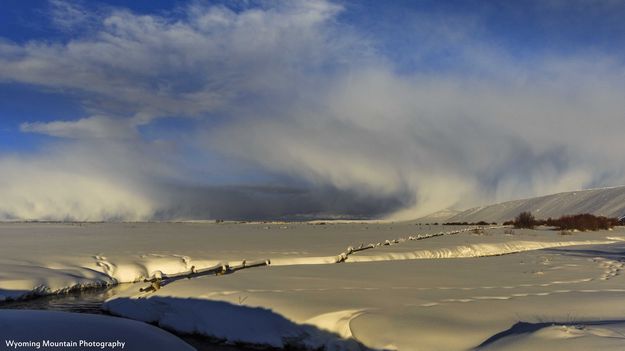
(95, 127)
(161, 66)
(69, 15)
(62, 186)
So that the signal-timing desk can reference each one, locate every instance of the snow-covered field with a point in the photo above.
(414, 287)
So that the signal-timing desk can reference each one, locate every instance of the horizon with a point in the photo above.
(305, 219)
(159, 110)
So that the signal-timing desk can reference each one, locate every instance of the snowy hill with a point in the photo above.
(609, 202)
(439, 216)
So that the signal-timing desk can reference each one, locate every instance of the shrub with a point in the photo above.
(583, 222)
(525, 220)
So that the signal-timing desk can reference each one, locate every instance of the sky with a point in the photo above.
(169, 110)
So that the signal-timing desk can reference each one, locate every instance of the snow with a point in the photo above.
(43, 258)
(236, 323)
(439, 216)
(87, 331)
(475, 250)
(401, 286)
(217, 319)
(594, 335)
(428, 304)
(609, 202)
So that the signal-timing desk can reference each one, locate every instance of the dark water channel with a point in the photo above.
(85, 301)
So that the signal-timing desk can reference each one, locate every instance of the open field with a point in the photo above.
(413, 287)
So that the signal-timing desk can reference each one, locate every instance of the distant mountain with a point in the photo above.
(609, 202)
(440, 216)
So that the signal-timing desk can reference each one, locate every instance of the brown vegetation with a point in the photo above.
(581, 222)
(480, 223)
(525, 220)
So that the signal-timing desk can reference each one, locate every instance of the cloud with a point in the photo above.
(69, 16)
(165, 66)
(287, 93)
(447, 140)
(94, 127)
(129, 70)
(63, 187)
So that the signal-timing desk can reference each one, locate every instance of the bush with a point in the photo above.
(525, 220)
(583, 222)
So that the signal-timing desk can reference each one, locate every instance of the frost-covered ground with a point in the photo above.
(422, 291)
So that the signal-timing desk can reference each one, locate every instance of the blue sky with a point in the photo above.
(368, 108)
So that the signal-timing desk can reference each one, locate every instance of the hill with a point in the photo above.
(439, 216)
(609, 202)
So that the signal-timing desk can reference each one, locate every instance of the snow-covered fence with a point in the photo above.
(160, 280)
(343, 256)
